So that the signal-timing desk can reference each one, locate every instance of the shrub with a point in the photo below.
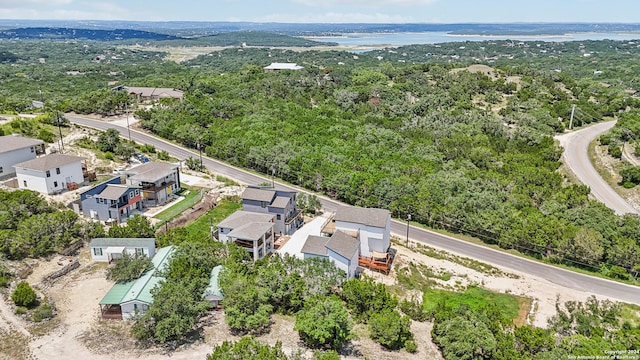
(618, 272)
(326, 355)
(109, 155)
(390, 329)
(410, 346)
(324, 321)
(414, 310)
(615, 151)
(44, 311)
(163, 155)
(21, 310)
(4, 280)
(23, 295)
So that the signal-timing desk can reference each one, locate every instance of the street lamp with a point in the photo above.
(128, 128)
(408, 219)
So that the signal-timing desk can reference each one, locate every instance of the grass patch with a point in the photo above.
(192, 195)
(223, 209)
(13, 345)
(416, 277)
(475, 297)
(630, 313)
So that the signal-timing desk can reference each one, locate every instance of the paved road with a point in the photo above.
(576, 157)
(558, 276)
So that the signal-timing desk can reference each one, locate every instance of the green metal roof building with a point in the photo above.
(127, 299)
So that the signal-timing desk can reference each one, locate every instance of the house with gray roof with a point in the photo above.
(371, 226)
(157, 181)
(111, 201)
(341, 249)
(249, 230)
(50, 174)
(280, 203)
(127, 299)
(151, 93)
(15, 149)
(110, 249)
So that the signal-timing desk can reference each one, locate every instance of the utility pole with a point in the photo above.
(200, 150)
(59, 122)
(408, 220)
(128, 128)
(573, 111)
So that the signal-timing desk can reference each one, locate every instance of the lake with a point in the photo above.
(376, 40)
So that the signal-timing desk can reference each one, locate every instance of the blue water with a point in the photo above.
(375, 40)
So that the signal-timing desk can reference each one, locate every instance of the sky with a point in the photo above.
(328, 11)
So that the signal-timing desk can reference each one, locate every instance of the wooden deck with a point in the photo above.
(376, 264)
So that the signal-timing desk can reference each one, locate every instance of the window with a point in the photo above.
(58, 171)
(97, 251)
(263, 203)
(1, 170)
(139, 251)
(25, 183)
(130, 194)
(33, 149)
(48, 173)
(55, 184)
(278, 217)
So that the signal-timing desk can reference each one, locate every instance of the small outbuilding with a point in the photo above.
(110, 249)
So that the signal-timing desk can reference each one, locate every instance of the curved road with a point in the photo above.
(569, 279)
(576, 156)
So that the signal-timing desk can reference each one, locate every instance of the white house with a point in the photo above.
(15, 149)
(127, 299)
(109, 249)
(371, 226)
(50, 174)
(341, 249)
(282, 66)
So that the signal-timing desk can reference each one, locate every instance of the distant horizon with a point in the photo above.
(329, 11)
(332, 23)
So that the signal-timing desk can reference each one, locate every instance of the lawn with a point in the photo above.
(213, 216)
(191, 197)
(476, 298)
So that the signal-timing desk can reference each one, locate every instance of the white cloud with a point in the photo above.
(368, 3)
(333, 17)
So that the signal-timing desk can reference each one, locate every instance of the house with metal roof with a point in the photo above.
(341, 249)
(280, 203)
(127, 299)
(213, 292)
(111, 201)
(15, 149)
(157, 181)
(249, 230)
(151, 93)
(50, 174)
(109, 249)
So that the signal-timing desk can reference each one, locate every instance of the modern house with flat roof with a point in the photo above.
(110, 249)
(280, 203)
(127, 299)
(371, 226)
(111, 201)
(151, 93)
(249, 230)
(340, 248)
(282, 66)
(15, 149)
(157, 181)
(50, 174)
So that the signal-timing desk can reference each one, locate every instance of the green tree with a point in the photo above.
(129, 267)
(464, 338)
(108, 141)
(247, 348)
(23, 295)
(390, 329)
(323, 321)
(136, 227)
(364, 297)
(176, 307)
(245, 305)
